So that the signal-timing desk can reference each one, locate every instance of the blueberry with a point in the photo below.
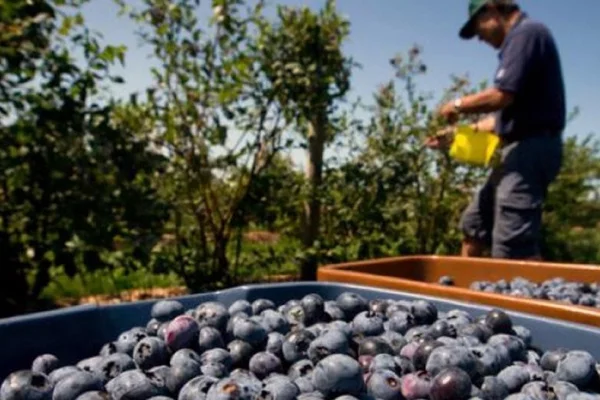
(94, 395)
(26, 385)
(260, 305)
(212, 314)
(108, 349)
(395, 340)
(152, 327)
(445, 357)
(136, 384)
(421, 354)
(183, 356)
(563, 389)
(551, 358)
(385, 385)
(237, 306)
(165, 310)
(351, 304)
(409, 350)
(494, 388)
(300, 369)
(208, 338)
(338, 374)
(240, 352)
(90, 364)
(128, 339)
(214, 369)
(197, 388)
(491, 359)
(379, 306)
(279, 389)
(275, 344)
(367, 323)
(177, 376)
(150, 352)
(45, 364)
(75, 384)
(416, 385)
(451, 384)
(61, 373)
(182, 332)
(295, 316)
(314, 308)
(516, 347)
(373, 346)
(446, 280)
(304, 384)
(217, 356)
(334, 311)
(424, 312)
(274, 321)
(296, 344)
(442, 328)
(578, 368)
(232, 389)
(113, 365)
(401, 322)
(474, 330)
(499, 321)
(251, 332)
(514, 377)
(331, 342)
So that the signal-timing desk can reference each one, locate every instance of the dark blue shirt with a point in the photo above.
(530, 68)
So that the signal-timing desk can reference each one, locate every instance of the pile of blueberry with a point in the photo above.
(313, 349)
(556, 289)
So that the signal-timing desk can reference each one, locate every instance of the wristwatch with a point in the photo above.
(457, 104)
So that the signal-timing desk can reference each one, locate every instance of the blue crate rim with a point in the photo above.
(247, 288)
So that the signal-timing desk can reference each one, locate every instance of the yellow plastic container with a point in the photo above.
(471, 147)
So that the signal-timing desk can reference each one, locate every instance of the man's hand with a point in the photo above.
(442, 139)
(449, 113)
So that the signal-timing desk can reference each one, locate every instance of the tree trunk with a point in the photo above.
(222, 262)
(312, 206)
(13, 285)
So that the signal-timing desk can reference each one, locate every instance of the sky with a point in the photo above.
(382, 28)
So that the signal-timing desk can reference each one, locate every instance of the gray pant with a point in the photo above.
(506, 213)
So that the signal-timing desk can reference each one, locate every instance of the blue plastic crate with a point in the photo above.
(79, 332)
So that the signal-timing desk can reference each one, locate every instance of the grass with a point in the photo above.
(105, 282)
(259, 261)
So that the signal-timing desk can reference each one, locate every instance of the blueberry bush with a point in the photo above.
(177, 181)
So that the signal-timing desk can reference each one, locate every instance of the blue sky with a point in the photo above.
(381, 28)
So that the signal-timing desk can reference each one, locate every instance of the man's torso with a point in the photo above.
(539, 98)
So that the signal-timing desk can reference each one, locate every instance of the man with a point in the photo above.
(527, 111)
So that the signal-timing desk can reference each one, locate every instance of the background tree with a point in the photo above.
(310, 74)
(72, 185)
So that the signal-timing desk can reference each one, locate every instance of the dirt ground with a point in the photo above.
(153, 293)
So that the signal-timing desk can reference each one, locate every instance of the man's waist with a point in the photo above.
(520, 135)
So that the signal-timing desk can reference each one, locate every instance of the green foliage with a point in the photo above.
(395, 196)
(572, 210)
(74, 190)
(304, 60)
(213, 112)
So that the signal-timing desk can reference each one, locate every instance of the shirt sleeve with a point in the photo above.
(516, 61)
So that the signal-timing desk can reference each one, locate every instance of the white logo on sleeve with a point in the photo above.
(500, 73)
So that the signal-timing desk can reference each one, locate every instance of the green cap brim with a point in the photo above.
(468, 30)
